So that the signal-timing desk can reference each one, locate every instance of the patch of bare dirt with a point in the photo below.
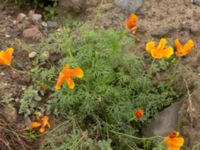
(13, 82)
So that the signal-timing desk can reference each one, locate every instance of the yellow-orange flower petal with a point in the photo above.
(160, 51)
(45, 121)
(178, 44)
(66, 75)
(168, 52)
(139, 113)
(173, 141)
(70, 83)
(157, 54)
(150, 46)
(182, 50)
(162, 44)
(42, 129)
(60, 81)
(36, 124)
(131, 22)
(77, 72)
(6, 56)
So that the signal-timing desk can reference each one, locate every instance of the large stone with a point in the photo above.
(21, 17)
(167, 121)
(197, 2)
(32, 34)
(52, 24)
(129, 5)
(34, 17)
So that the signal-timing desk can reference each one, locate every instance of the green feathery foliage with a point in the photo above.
(114, 85)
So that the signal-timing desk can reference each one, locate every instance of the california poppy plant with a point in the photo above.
(131, 23)
(66, 75)
(139, 113)
(173, 141)
(182, 50)
(160, 51)
(6, 56)
(41, 123)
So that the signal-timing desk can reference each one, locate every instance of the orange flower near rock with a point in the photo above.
(139, 113)
(131, 23)
(160, 51)
(6, 56)
(182, 50)
(173, 141)
(66, 75)
(41, 123)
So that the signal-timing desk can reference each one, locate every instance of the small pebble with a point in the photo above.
(32, 55)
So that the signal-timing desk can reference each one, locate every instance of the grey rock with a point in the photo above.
(14, 33)
(36, 17)
(32, 55)
(38, 98)
(44, 24)
(196, 2)
(30, 13)
(21, 17)
(129, 5)
(52, 24)
(195, 29)
(166, 122)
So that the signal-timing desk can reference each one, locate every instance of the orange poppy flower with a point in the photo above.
(45, 123)
(6, 56)
(36, 124)
(173, 141)
(41, 123)
(160, 51)
(131, 23)
(139, 113)
(182, 50)
(66, 75)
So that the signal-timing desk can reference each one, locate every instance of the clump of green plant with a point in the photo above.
(29, 101)
(7, 99)
(50, 11)
(114, 85)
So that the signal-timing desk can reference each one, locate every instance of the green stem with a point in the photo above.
(74, 145)
(171, 76)
(70, 52)
(136, 138)
(17, 70)
(151, 69)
